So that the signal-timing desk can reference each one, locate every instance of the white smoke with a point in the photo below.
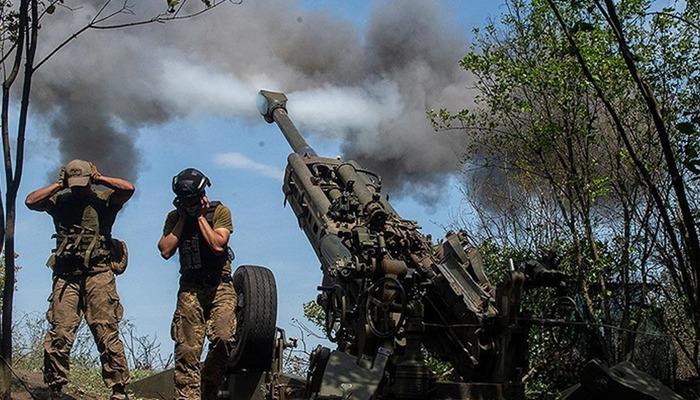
(237, 160)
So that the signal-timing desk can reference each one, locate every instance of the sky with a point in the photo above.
(244, 157)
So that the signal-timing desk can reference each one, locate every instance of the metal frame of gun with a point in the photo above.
(387, 286)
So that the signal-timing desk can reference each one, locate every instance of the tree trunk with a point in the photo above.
(687, 226)
(14, 177)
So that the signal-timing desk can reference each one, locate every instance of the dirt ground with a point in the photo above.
(30, 386)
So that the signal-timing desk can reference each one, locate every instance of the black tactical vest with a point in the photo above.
(198, 262)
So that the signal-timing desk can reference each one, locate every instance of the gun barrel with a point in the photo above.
(291, 133)
(273, 107)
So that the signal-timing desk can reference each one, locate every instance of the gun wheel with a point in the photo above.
(385, 306)
(256, 318)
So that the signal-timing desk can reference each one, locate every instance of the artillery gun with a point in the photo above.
(390, 295)
(390, 298)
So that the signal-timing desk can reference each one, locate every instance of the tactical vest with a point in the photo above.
(81, 249)
(198, 262)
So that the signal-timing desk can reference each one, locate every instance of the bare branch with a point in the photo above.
(162, 18)
(676, 17)
(126, 8)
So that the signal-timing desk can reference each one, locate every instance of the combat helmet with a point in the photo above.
(190, 182)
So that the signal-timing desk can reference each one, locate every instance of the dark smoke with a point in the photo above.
(368, 89)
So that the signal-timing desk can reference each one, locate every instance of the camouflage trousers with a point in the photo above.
(95, 297)
(202, 310)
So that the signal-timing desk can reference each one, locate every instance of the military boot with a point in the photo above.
(118, 393)
(56, 392)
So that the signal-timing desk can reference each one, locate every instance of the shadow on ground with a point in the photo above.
(30, 386)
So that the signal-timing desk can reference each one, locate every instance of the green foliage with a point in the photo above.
(315, 314)
(9, 22)
(547, 169)
(497, 258)
(442, 369)
(172, 4)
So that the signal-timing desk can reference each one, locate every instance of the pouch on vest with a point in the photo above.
(80, 249)
(190, 254)
(119, 258)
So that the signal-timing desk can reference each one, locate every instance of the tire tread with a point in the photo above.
(257, 328)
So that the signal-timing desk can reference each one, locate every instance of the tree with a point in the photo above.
(682, 258)
(19, 36)
(548, 165)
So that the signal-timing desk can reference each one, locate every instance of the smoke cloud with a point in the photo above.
(237, 160)
(368, 89)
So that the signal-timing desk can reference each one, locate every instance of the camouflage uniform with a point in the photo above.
(83, 284)
(206, 303)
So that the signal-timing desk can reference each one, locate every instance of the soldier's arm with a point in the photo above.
(171, 239)
(123, 189)
(216, 237)
(38, 200)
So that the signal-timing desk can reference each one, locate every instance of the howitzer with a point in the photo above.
(390, 295)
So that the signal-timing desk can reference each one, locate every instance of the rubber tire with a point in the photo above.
(256, 319)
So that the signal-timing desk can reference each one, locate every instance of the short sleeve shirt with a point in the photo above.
(222, 219)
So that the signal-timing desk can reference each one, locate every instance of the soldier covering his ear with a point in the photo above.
(83, 263)
(199, 231)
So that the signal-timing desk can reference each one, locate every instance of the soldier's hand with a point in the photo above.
(181, 213)
(62, 177)
(204, 206)
(95, 174)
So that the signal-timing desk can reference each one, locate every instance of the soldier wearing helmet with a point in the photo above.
(84, 263)
(199, 230)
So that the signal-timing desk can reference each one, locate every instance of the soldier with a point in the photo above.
(199, 230)
(83, 280)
